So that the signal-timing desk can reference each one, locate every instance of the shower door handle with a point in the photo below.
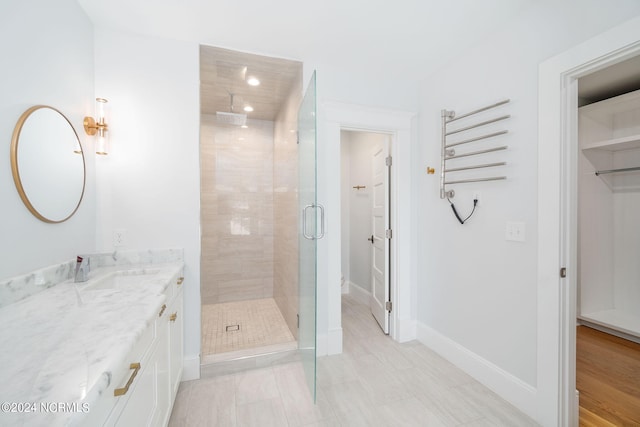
(304, 222)
(321, 221)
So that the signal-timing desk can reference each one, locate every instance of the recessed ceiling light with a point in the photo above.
(252, 81)
(248, 108)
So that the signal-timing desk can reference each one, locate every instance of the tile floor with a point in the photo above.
(260, 324)
(375, 382)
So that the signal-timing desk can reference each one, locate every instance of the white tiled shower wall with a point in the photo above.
(237, 211)
(285, 200)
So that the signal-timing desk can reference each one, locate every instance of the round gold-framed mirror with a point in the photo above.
(47, 163)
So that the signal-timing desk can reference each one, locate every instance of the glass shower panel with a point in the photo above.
(307, 233)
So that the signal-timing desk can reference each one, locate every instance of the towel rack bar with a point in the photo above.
(447, 151)
(502, 132)
(486, 122)
(464, 181)
(479, 110)
(617, 170)
(473, 153)
(486, 165)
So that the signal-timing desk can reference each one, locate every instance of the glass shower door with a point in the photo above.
(308, 233)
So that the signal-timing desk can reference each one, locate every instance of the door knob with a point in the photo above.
(371, 239)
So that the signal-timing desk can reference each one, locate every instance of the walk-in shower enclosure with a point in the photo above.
(249, 213)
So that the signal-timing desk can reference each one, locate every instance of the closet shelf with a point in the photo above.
(616, 144)
(616, 162)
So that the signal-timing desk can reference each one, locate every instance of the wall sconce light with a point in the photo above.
(98, 126)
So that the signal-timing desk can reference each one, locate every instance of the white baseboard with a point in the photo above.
(507, 386)
(334, 341)
(405, 330)
(345, 287)
(359, 293)
(191, 368)
(329, 343)
(321, 344)
(576, 409)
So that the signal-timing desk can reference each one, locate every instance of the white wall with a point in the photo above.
(626, 249)
(596, 236)
(477, 292)
(360, 220)
(149, 185)
(47, 58)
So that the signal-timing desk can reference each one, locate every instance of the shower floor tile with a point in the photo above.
(240, 325)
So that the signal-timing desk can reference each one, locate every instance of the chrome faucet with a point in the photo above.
(82, 269)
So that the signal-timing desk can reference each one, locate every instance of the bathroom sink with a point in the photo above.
(121, 279)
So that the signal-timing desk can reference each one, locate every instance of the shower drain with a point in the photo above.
(232, 328)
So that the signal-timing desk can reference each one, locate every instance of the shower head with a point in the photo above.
(231, 118)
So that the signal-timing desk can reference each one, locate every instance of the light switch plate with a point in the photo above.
(515, 231)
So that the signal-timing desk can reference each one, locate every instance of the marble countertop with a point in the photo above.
(62, 344)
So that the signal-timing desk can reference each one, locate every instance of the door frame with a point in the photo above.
(336, 116)
(386, 146)
(557, 213)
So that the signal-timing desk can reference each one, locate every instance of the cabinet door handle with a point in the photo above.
(173, 317)
(125, 389)
(164, 307)
(180, 280)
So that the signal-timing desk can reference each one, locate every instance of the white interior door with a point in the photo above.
(380, 237)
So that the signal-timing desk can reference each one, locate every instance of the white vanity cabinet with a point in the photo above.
(107, 409)
(173, 348)
(144, 406)
(176, 340)
(151, 390)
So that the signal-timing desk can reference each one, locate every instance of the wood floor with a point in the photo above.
(608, 378)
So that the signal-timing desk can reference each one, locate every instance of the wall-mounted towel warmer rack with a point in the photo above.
(449, 153)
